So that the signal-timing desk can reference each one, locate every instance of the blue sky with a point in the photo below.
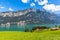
(13, 5)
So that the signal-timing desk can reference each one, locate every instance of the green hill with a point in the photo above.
(16, 35)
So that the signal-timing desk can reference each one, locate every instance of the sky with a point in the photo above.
(14, 5)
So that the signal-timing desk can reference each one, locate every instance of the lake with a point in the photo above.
(23, 27)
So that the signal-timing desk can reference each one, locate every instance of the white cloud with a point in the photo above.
(35, 0)
(25, 1)
(32, 4)
(1, 7)
(52, 7)
(10, 9)
(49, 7)
(42, 2)
(57, 7)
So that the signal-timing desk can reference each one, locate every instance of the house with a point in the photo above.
(56, 28)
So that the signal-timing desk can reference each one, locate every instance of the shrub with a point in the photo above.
(27, 30)
(39, 28)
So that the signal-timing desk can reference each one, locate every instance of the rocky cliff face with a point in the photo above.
(31, 16)
(37, 16)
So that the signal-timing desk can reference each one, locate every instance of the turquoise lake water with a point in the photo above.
(22, 28)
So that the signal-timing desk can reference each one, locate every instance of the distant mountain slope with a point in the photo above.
(32, 16)
(37, 16)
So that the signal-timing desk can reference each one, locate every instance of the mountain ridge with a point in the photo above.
(32, 16)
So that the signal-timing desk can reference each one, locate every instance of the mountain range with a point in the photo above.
(37, 16)
(33, 16)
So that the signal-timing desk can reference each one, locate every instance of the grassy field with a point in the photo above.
(16, 35)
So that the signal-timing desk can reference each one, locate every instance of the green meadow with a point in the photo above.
(17, 35)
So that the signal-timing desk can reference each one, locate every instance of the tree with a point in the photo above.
(27, 30)
(38, 28)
